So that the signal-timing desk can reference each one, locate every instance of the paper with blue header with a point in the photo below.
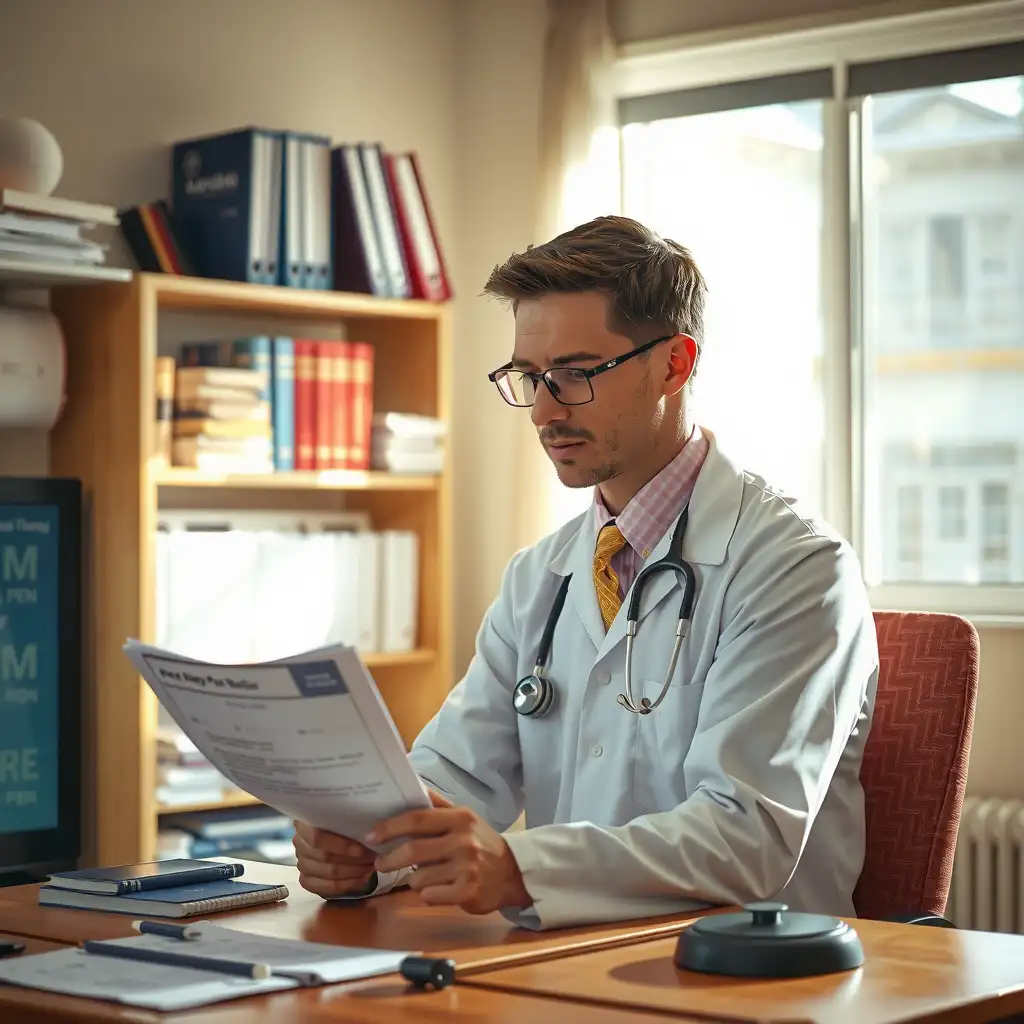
(308, 735)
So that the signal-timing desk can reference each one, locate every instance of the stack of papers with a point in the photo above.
(308, 735)
(168, 973)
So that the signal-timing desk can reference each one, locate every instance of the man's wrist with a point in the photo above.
(516, 893)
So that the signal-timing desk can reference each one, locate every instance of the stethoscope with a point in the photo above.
(534, 694)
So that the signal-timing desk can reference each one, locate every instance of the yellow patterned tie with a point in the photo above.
(606, 583)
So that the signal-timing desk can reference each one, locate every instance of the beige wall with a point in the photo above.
(459, 80)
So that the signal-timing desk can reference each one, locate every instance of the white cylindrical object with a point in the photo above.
(32, 368)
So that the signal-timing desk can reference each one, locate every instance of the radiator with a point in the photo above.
(986, 893)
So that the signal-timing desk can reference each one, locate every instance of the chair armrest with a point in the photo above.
(933, 920)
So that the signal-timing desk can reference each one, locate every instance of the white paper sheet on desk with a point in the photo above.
(309, 735)
(74, 972)
(309, 963)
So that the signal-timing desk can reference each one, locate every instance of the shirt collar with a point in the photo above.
(651, 511)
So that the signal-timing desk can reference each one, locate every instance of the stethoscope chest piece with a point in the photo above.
(533, 696)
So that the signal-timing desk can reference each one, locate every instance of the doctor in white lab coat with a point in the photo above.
(743, 784)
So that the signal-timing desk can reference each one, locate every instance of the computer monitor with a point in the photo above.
(40, 676)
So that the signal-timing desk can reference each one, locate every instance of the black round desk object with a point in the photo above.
(766, 941)
(424, 971)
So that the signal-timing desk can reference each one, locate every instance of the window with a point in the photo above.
(952, 513)
(909, 529)
(750, 211)
(995, 532)
(865, 260)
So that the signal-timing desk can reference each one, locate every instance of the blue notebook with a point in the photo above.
(157, 874)
(176, 901)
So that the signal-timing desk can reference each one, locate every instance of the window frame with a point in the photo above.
(720, 58)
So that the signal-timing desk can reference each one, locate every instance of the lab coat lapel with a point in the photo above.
(577, 557)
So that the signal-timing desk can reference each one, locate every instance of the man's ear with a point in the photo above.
(682, 358)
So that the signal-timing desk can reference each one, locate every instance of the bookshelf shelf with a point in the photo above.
(223, 804)
(400, 659)
(202, 295)
(333, 480)
(106, 438)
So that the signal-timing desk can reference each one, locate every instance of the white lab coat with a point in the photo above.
(742, 785)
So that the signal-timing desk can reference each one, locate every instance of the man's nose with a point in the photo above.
(545, 408)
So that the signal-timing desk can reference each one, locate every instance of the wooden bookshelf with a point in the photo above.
(105, 437)
(226, 802)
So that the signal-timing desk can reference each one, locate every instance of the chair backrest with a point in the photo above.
(915, 761)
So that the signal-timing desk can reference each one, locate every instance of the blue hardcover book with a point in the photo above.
(160, 874)
(222, 189)
(176, 901)
(282, 402)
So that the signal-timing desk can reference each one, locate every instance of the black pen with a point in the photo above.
(170, 931)
(169, 958)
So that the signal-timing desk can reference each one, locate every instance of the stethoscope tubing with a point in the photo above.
(539, 686)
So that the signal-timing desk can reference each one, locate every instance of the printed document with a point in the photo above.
(308, 735)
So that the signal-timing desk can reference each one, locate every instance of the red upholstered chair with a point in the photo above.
(915, 763)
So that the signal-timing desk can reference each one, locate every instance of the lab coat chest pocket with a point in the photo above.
(662, 741)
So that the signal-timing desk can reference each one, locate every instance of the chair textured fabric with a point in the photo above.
(915, 761)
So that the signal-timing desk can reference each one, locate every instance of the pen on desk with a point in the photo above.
(170, 931)
(171, 958)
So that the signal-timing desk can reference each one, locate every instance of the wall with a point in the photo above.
(500, 47)
(118, 82)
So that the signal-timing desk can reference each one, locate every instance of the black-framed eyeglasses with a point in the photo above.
(569, 385)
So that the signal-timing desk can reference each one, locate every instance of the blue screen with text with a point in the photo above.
(29, 630)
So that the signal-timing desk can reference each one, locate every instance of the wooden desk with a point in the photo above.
(383, 1004)
(398, 920)
(911, 973)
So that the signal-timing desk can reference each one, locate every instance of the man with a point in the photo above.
(723, 773)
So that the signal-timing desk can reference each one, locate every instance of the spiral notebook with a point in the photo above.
(174, 901)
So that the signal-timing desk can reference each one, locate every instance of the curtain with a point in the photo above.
(578, 179)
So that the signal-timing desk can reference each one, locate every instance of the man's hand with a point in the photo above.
(459, 859)
(331, 865)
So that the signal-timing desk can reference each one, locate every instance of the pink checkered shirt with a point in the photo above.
(653, 509)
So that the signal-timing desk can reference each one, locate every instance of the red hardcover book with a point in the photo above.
(305, 404)
(324, 386)
(361, 404)
(340, 387)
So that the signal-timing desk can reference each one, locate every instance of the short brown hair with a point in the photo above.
(653, 284)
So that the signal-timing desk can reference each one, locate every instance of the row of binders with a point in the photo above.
(238, 586)
(290, 208)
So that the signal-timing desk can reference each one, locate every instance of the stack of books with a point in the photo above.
(252, 833)
(184, 775)
(47, 229)
(222, 419)
(404, 443)
(169, 888)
